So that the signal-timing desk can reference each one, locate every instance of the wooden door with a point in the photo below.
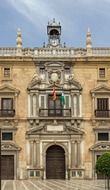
(55, 163)
(7, 166)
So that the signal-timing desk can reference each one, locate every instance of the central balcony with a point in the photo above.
(7, 112)
(55, 112)
(102, 113)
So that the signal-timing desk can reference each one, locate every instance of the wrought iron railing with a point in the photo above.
(55, 112)
(7, 113)
(102, 113)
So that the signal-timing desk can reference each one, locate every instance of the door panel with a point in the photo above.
(7, 166)
(55, 163)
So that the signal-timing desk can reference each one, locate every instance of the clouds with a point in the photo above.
(34, 10)
(75, 17)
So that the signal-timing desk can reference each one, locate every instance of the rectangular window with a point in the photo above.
(7, 107)
(102, 107)
(7, 72)
(37, 173)
(54, 106)
(102, 104)
(101, 73)
(32, 173)
(103, 136)
(66, 102)
(42, 70)
(7, 103)
(67, 70)
(7, 136)
(42, 101)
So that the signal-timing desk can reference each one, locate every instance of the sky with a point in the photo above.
(75, 16)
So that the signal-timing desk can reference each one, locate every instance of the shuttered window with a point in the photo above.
(42, 101)
(101, 72)
(6, 72)
(102, 104)
(7, 103)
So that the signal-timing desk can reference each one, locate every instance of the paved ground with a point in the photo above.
(53, 185)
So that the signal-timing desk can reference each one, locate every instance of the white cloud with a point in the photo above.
(36, 11)
(75, 15)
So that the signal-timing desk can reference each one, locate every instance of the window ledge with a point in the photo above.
(6, 79)
(102, 80)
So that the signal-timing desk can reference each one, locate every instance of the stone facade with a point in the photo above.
(32, 123)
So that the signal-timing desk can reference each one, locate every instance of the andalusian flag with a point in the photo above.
(54, 94)
(62, 98)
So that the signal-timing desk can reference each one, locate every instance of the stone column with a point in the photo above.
(80, 105)
(78, 154)
(34, 104)
(37, 104)
(16, 104)
(93, 105)
(72, 104)
(73, 154)
(31, 104)
(38, 153)
(34, 154)
(75, 105)
(31, 153)
(28, 153)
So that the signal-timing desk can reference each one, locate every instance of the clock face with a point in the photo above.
(54, 42)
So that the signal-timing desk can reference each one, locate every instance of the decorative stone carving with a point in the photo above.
(71, 77)
(10, 146)
(35, 82)
(101, 146)
(36, 78)
(54, 77)
(74, 82)
(9, 123)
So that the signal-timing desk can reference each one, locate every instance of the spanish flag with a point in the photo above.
(54, 94)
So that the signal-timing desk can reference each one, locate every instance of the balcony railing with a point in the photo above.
(7, 113)
(55, 112)
(102, 113)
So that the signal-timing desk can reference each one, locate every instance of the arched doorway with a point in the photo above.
(55, 162)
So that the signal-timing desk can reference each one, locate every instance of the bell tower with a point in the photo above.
(54, 32)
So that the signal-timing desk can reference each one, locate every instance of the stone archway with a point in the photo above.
(55, 162)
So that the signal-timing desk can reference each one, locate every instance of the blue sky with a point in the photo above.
(75, 17)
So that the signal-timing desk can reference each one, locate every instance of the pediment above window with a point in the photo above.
(74, 83)
(8, 89)
(7, 146)
(102, 146)
(101, 89)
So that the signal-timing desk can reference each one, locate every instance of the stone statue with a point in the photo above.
(36, 78)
